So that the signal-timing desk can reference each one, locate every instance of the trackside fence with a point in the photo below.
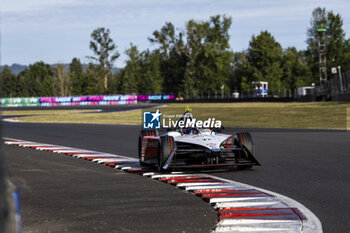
(337, 88)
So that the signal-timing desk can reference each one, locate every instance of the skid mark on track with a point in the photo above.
(240, 207)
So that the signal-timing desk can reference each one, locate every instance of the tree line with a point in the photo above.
(193, 61)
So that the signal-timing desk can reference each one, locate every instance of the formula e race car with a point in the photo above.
(183, 147)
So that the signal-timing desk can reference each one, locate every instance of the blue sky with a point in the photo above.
(58, 30)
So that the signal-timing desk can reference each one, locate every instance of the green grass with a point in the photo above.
(132, 117)
(314, 115)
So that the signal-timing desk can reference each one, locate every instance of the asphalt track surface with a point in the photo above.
(62, 193)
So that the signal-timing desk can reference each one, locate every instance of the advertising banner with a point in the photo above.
(155, 97)
(20, 102)
(70, 100)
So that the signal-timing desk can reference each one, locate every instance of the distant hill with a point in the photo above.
(17, 68)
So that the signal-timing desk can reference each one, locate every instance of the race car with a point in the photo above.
(184, 147)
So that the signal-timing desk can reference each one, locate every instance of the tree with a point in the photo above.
(62, 81)
(91, 84)
(105, 51)
(197, 59)
(154, 71)
(115, 86)
(132, 71)
(216, 57)
(36, 81)
(172, 61)
(296, 73)
(207, 53)
(77, 76)
(312, 52)
(165, 38)
(8, 82)
(336, 42)
(264, 58)
(337, 47)
(150, 81)
(346, 65)
(238, 77)
(141, 74)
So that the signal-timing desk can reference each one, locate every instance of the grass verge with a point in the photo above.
(311, 115)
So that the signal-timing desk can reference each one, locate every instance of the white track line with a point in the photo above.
(11, 120)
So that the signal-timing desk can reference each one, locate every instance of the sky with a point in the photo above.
(55, 31)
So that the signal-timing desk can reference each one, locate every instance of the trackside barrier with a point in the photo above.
(20, 102)
(155, 97)
(83, 100)
(88, 100)
(70, 100)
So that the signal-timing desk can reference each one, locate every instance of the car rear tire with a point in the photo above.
(145, 132)
(167, 145)
(246, 140)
